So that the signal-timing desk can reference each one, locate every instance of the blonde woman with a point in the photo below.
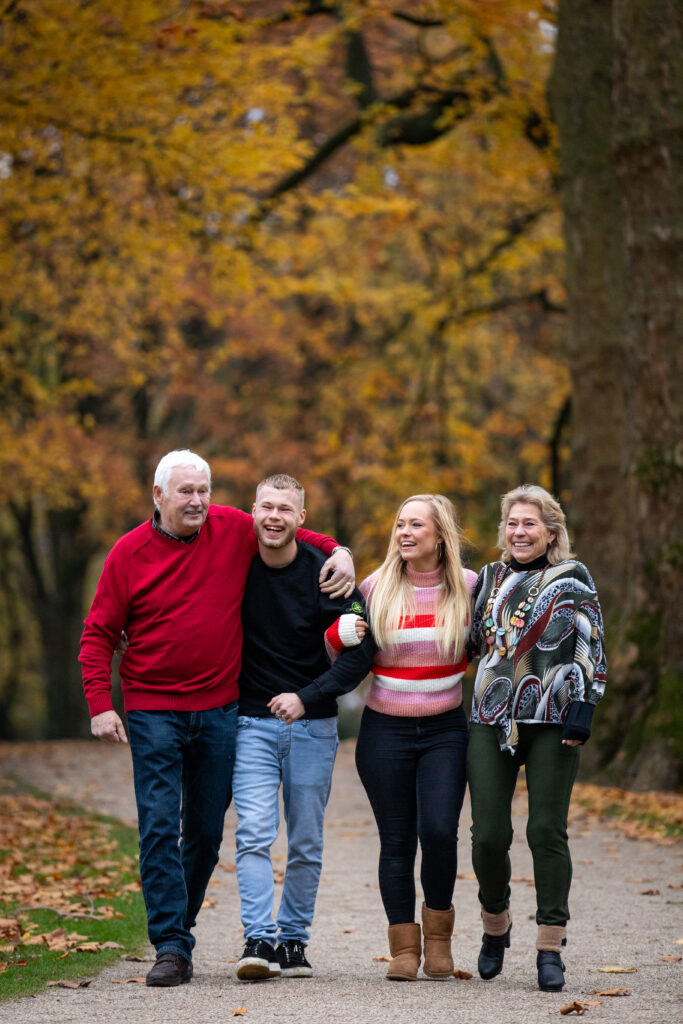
(412, 745)
(537, 629)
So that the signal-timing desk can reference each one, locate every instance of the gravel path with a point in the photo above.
(614, 923)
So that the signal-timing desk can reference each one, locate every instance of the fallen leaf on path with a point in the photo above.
(232, 960)
(383, 959)
(111, 945)
(591, 1002)
(128, 981)
(465, 975)
(617, 970)
(278, 877)
(209, 901)
(236, 1013)
(67, 983)
(670, 886)
(678, 942)
(347, 931)
(611, 992)
(574, 1007)
(88, 947)
(671, 959)
(228, 867)
(650, 892)
(472, 878)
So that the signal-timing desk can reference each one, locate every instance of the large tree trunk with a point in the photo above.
(57, 552)
(617, 96)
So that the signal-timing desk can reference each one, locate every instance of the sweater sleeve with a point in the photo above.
(589, 669)
(101, 634)
(478, 604)
(317, 540)
(347, 671)
(342, 632)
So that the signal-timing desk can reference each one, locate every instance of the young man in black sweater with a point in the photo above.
(287, 729)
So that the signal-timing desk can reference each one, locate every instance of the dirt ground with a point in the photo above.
(614, 923)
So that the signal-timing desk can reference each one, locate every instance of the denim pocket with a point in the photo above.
(322, 728)
(244, 721)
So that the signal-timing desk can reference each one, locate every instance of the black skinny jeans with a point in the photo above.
(413, 770)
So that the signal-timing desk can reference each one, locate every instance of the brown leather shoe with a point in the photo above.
(170, 969)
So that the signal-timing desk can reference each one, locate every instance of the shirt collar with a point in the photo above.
(156, 523)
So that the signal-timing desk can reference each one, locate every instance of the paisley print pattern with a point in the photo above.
(533, 673)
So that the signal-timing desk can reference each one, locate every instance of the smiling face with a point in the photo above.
(526, 535)
(278, 514)
(417, 537)
(183, 507)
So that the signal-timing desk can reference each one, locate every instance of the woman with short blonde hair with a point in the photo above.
(537, 630)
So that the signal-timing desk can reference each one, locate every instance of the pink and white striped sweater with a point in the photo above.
(410, 676)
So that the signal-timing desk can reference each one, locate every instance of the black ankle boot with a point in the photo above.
(492, 952)
(550, 971)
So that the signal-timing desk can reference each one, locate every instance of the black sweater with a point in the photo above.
(284, 618)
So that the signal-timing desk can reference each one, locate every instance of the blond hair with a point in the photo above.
(282, 482)
(392, 597)
(551, 514)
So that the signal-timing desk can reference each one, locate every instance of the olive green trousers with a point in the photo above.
(492, 773)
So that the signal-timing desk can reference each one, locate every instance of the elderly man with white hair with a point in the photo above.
(174, 585)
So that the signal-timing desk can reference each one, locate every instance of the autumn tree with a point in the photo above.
(617, 95)
(304, 235)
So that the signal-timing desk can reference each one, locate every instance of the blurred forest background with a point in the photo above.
(388, 247)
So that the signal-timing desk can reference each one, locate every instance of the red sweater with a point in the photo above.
(180, 607)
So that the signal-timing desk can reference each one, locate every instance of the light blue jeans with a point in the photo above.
(301, 757)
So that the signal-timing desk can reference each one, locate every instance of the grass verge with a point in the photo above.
(71, 901)
(654, 815)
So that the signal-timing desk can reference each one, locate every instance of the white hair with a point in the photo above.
(173, 460)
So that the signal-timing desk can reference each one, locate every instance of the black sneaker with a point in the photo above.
(170, 969)
(292, 959)
(258, 962)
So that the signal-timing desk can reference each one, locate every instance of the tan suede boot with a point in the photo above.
(437, 928)
(404, 946)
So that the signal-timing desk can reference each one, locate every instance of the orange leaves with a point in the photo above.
(48, 867)
(655, 815)
(612, 992)
(617, 970)
(10, 931)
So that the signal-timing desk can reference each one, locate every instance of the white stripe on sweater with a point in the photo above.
(419, 685)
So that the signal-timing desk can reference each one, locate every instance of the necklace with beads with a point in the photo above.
(498, 635)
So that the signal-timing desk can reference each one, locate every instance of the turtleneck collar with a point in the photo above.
(424, 579)
(538, 563)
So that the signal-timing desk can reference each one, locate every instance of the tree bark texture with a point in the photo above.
(57, 552)
(617, 97)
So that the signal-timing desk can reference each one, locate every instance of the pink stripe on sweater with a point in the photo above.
(412, 705)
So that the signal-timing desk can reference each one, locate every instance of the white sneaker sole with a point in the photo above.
(297, 972)
(255, 969)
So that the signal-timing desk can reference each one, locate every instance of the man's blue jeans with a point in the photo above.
(301, 757)
(182, 765)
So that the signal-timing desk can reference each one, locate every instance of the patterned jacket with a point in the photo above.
(539, 636)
